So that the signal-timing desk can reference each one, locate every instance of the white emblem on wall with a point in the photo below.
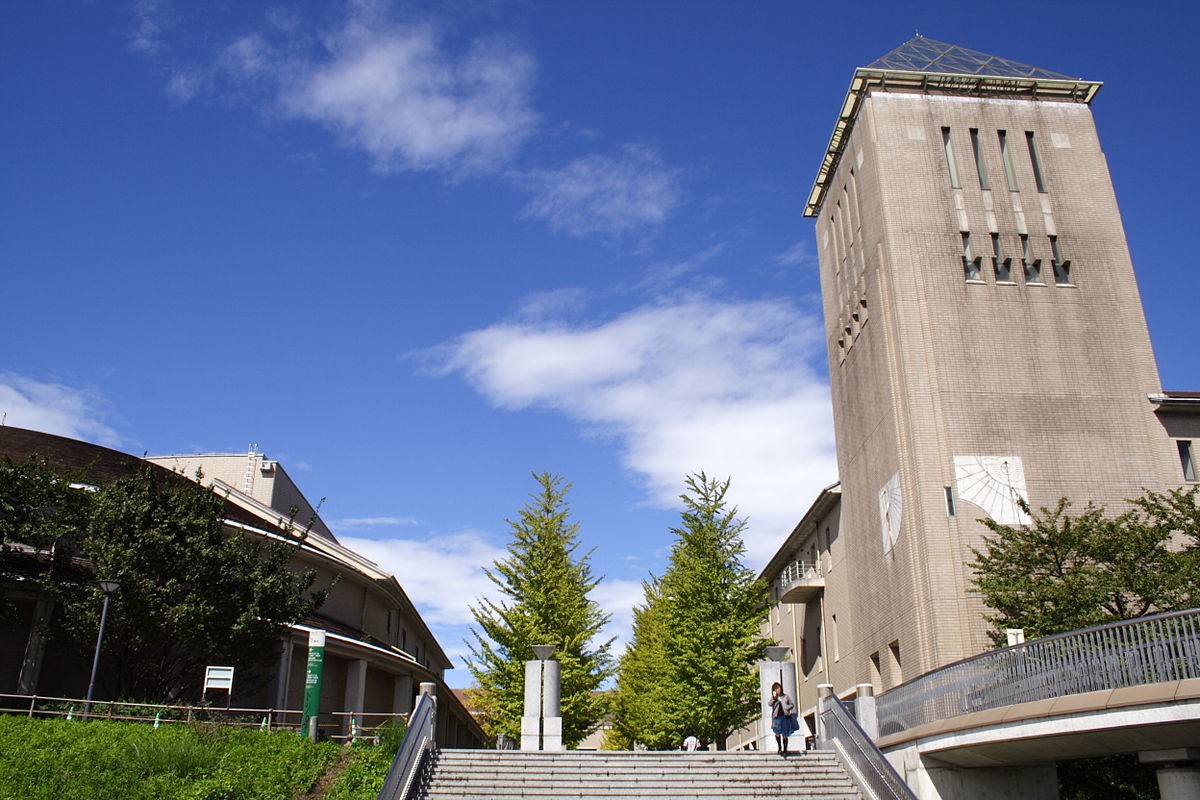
(891, 509)
(994, 483)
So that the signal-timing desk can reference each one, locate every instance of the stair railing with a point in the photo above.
(413, 756)
(870, 770)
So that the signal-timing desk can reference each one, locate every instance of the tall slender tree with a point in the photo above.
(697, 636)
(544, 587)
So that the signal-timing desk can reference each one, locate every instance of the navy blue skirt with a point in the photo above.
(784, 725)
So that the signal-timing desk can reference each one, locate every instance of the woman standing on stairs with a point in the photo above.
(783, 718)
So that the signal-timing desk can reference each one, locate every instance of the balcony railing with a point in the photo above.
(1157, 649)
(799, 582)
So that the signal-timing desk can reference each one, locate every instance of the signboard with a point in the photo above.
(312, 680)
(218, 678)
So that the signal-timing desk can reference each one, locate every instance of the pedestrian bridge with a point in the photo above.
(1004, 717)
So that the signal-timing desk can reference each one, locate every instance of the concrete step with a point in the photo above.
(514, 775)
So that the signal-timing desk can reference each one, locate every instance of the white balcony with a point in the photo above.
(800, 582)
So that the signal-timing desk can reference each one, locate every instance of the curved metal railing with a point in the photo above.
(414, 751)
(1155, 649)
(870, 770)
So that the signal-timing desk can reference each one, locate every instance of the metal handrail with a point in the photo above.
(797, 571)
(413, 754)
(1146, 650)
(870, 770)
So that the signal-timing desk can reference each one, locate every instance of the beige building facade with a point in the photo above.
(986, 345)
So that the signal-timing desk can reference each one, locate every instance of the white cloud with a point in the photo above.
(402, 96)
(442, 575)
(54, 408)
(354, 523)
(608, 194)
(699, 384)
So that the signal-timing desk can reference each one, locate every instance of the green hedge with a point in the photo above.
(100, 760)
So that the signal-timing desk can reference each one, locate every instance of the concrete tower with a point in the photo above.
(986, 336)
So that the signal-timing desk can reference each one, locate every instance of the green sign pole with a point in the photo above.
(312, 682)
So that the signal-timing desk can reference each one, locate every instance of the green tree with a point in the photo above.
(545, 601)
(690, 667)
(191, 591)
(1063, 572)
(42, 512)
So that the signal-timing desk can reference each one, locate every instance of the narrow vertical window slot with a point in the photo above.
(949, 501)
(970, 264)
(1009, 175)
(1062, 267)
(1033, 267)
(1034, 162)
(980, 169)
(1001, 265)
(1185, 459)
(950, 165)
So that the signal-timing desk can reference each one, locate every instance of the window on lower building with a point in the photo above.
(970, 264)
(1001, 265)
(1187, 459)
(1062, 267)
(1033, 266)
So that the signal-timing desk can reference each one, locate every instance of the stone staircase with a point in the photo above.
(509, 775)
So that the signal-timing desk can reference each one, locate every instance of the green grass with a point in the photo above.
(99, 760)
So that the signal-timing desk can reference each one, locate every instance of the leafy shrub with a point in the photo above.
(100, 760)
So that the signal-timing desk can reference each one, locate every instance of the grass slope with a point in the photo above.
(98, 760)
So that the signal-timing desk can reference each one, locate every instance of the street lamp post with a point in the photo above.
(108, 587)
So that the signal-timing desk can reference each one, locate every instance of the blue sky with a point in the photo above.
(416, 251)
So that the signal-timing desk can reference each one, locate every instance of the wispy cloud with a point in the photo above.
(356, 523)
(696, 384)
(605, 194)
(151, 20)
(403, 93)
(798, 255)
(618, 597)
(441, 574)
(55, 408)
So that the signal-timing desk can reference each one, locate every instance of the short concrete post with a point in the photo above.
(864, 710)
(824, 692)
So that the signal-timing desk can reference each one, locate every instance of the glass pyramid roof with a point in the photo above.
(929, 55)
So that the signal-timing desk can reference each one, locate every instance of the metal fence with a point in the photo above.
(347, 725)
(868, 768)
(796, 571)
(1156, 649)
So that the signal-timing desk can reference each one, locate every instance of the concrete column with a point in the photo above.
(770, 671)
(402, 694)
(531, 720)
(864, 710)
(551, 705)
(1178, 775)
(283, 675)
(1179, 783)
(35, 647)
(356, 689)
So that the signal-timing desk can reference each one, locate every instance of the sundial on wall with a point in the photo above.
(994, 483)
(891, 510)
